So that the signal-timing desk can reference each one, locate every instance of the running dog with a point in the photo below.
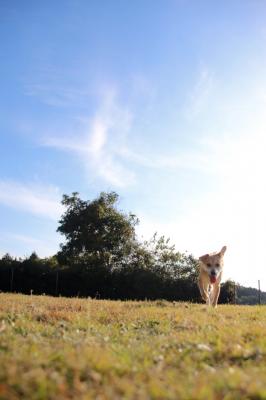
(210, 275)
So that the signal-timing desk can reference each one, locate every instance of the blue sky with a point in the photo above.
(161, 101)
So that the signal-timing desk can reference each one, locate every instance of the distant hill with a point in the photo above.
(248, 295)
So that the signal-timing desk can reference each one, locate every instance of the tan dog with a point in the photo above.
(211, 268)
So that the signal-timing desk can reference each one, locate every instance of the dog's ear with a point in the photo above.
(223, 250)
(204, 258)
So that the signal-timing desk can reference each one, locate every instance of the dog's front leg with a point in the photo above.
(208, 300)
(215, 294)
(204, 292)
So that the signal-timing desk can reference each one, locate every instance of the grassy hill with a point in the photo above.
(58, 348)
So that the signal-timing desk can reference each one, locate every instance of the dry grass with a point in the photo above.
(57, 348)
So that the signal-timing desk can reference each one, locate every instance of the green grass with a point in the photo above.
(57, 348)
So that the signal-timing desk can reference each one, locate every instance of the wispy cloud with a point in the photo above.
(57, 88)
(98, 144)
(36, 199)
(57, 96)
(103, 146)
(192, 160)
(199, 95)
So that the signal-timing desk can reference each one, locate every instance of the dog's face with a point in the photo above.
(213, 264)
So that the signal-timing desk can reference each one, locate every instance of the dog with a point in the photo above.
(210, 275)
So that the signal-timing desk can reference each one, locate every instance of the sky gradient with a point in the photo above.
(162, 101)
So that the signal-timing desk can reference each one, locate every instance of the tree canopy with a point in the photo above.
(95, 229)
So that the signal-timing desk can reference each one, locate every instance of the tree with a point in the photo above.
(33, 258)
(169, 262)
(95, 231)
(7, 259)
(228, 292)
(154, 269)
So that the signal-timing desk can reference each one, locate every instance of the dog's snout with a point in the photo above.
(213, 273)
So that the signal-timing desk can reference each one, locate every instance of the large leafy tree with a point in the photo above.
(95, 230)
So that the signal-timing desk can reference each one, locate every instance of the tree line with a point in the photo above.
(102, 258)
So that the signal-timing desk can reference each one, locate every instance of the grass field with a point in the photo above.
(58, 348)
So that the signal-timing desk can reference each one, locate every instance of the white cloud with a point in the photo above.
(198, 97)
(43, 201)
(55, 90)
(102, 144)
(185, 159)
(97, 145)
